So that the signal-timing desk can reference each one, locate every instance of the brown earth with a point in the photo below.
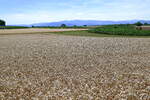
(56, 67)
(146, 27)
(143, 27)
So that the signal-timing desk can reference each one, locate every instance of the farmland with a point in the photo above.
(35, 30)
(12, 27)
(124, 30)
(146, 27)
(74, 50)
(58, 67)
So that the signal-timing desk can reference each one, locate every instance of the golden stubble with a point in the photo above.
(53, 67)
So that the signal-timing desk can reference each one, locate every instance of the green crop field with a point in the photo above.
(128, 30)
(12, 27)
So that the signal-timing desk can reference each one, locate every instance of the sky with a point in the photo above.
(36, 11)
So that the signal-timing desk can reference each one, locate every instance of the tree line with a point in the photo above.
(140, 24)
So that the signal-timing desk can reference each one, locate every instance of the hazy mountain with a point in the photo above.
(88, 22)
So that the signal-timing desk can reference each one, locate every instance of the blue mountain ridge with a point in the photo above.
(86, 22)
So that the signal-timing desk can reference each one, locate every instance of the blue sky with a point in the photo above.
(35, 11)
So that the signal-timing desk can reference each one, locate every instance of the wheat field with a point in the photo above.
(35, 30)
(56, 67)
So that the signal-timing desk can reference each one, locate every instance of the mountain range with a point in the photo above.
(87, 22)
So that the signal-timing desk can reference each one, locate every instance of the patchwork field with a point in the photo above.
(56, 67)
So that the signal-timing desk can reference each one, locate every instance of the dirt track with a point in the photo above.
(53, 67)
(34, 30)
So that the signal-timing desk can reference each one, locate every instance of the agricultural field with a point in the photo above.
(12, 27)
(35, 30)
(59, 67)
(146, 27)
(126, 30)
(46, 27)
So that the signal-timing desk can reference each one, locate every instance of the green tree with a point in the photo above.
(2, 23)
(138, 24)
(75, 26)
(145, 23)
(63, 25)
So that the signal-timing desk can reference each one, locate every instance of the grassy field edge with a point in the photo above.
(90, 34)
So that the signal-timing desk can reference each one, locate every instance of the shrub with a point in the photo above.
(63, 25)
(145, 23)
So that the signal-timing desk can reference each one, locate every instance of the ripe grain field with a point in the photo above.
(35, 30)
(57, 67)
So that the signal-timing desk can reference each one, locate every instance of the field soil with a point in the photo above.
(145, 27)
(35, 30)
(56, 67)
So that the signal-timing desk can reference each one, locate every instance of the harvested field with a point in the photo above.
(56, 67)
(34, 30)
